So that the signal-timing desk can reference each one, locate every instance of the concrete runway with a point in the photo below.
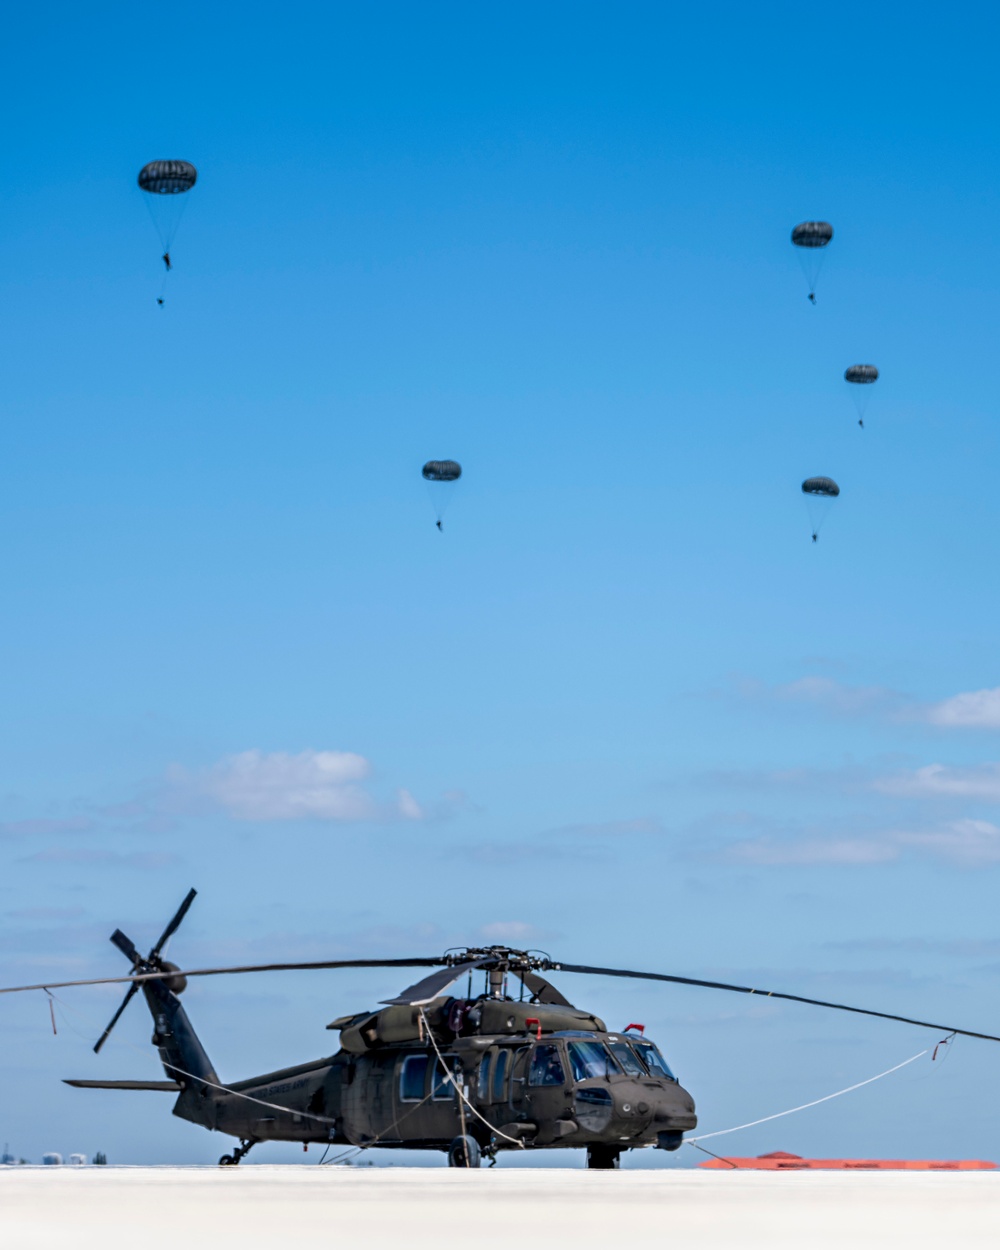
(190, 1208)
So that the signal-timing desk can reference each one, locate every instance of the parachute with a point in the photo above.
(440, 476)
(166, 182)
(820, 492)
(811, 237)
(442, 471)
(861, 376)
(167, 177)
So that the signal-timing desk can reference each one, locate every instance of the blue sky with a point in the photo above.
(622, 708)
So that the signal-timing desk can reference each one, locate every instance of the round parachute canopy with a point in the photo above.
(825, 487)
(442, 471)
(812, 234)
(862, 375)
(167, 177)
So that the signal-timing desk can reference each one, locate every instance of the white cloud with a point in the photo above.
(312, 785)
(408, 806)
(975, 709)
(967, 843)
(981, 781)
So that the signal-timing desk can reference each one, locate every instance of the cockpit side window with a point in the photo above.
(589, 1059)
(500, 1075)
(483, 1080)
(546, 1067)
(411, 1078)
(654, 1061)
(625, 1055)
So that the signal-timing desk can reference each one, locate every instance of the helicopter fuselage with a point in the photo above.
(536, 1084)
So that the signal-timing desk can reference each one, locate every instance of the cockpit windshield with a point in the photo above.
(623, 1052)
(589, 1059)
(653, 1060)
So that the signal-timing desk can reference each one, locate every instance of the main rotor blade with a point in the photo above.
(132, 989)
(542, 991)
(126, 946)
(791, 998)
(430, 987)
(171, 928)
(139, 977)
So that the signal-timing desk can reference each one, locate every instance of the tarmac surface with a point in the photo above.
(416, 1208)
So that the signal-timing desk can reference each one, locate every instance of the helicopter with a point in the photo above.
(470, 1075)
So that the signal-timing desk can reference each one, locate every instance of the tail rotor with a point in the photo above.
(153, 962)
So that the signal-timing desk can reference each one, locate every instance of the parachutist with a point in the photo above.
(159, 301)
(812, 294)
(861, 423)
(440, 526)
(166, 260)
(815, 537)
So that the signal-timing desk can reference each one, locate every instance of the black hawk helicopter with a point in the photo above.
(470, 1075)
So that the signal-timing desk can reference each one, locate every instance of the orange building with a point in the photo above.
(781, 1161)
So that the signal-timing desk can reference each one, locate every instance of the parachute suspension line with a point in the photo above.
(811, 260)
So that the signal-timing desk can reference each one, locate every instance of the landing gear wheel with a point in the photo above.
(464, 1152)
(230, 1161)
(604, 1157)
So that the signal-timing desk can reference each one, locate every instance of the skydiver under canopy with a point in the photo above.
(811, 237)
(441, 476)
(861, 378)
(820, 492)
(166, 184)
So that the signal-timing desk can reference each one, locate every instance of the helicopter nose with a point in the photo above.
(675, 1111)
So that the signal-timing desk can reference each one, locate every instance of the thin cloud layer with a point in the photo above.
(278, 786)
(842, 698)
(966, 843)
(978, 781)
(973, 709)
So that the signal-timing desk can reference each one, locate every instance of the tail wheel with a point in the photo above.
(464, 1152)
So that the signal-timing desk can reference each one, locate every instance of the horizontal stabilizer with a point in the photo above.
(163, 1087)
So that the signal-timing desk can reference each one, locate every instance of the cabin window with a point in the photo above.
(443, 1087)
(654, 1061)
(589, 1059)
(546, 1067)
(500, 1075)
(411, 1078)
(626, 1056)
(483, 1080)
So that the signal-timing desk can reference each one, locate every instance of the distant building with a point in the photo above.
(52, 1158)
(781, 1161)
(78, 1160)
